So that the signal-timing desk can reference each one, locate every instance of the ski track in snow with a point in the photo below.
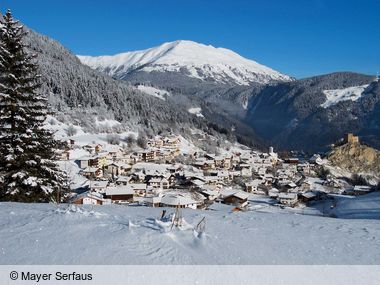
(47, 234)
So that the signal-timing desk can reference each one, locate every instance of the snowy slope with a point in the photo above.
(193, 59)
(47, 234)
(360, 207)
(335, 96)
(196, 111)
(155, 92)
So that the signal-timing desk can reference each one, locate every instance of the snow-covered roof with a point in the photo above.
(253, 183)
(198, 182)
(273, 190)
(241, 195)
(309, 194)
(237, 193)
(120, 190)
(362, 188)
(99, 184)
(123, 179)
(287, 195)
(155, 180)
(90, 169)
(177, 200)
(138, 186)
(292, 184)
(209, 192)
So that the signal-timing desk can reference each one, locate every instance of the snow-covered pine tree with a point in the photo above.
(28, 172)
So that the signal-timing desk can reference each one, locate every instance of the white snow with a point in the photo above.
(335, 96)
(115, 234)
(81, 137)
(159, 93)
(196, 111)
(199, 60)
(362, 207)
(107, 123)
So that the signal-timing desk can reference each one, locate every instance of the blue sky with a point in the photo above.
(299, 38)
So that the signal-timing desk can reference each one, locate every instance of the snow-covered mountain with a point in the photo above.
(193, 59)
(312, 113)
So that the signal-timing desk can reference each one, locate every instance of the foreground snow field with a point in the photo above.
(47, 234)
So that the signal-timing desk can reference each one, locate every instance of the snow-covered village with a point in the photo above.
(183, 152)
(170, 171)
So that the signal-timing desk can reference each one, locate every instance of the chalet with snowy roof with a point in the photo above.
(273, 193)
(151, 201)
(291, 160)
(261, 171)
(179, 200)
(139, 189)
(362, 190)
(197, 183)
(213, 180)
(245, 157)
(252, 186)
(304, 168)
(221, 175)
(219, 161)
(288, 199)
(316, 159)
(204, 164)
(92, 161)
(119, 194)
(98, 186)
(137, 177)
(83, 162)
(358, 190)
(123, 180)
(210, 193)
(307, 196)
(157, 142)
(234, 173)
(162, 183)
(93, 148)
(172, 141)
(305, 185)
(173, 168)
(245, 169)
(236, 198)
(90, 199)
(113, 152)
(117, 168)
(91, 172)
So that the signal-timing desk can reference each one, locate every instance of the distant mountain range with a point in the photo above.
(182, 85)
(307, 114)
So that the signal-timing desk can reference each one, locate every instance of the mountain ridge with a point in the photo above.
(196, 60)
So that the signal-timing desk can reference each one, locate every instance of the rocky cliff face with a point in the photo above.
(356, 158)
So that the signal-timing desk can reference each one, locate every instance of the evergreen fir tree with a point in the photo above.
(27, 151)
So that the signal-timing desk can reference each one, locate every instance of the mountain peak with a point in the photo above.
(194, 59)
